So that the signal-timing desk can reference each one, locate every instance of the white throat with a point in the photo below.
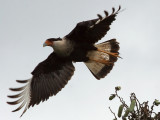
(63, 47)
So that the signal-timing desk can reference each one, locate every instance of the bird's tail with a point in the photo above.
(102, 60)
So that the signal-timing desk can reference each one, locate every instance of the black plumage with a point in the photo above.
(92, 30)
(51, 75)
(53, 70)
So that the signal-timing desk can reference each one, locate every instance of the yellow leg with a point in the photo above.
(109, 53)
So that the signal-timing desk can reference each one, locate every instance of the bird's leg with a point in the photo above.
(109, 53)
(106, 62)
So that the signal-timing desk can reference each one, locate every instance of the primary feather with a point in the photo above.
(51, 75)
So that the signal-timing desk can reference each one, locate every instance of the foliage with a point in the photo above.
(136, 110)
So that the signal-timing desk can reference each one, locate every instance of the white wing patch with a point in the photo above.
(100, 18)
(106, 15)
(24, 95)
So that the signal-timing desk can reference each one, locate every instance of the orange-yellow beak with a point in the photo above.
(47, 43)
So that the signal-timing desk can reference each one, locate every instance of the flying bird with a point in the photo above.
(51, 75)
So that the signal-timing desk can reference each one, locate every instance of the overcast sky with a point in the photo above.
(26, 24)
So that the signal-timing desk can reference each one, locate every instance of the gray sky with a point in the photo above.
(25, 24)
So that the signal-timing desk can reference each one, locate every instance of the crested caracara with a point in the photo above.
(51, 75)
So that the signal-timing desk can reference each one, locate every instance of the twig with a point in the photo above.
(152, 109)
(113, 113)
(121, 99)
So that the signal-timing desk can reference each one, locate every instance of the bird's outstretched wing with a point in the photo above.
(93, 30)
(49, 77)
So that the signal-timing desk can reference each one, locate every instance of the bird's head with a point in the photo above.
(50, 42)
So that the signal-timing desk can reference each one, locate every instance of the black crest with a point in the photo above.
(54, 39)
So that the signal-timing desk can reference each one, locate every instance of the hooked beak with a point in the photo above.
(47, 43)
(44, 44)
